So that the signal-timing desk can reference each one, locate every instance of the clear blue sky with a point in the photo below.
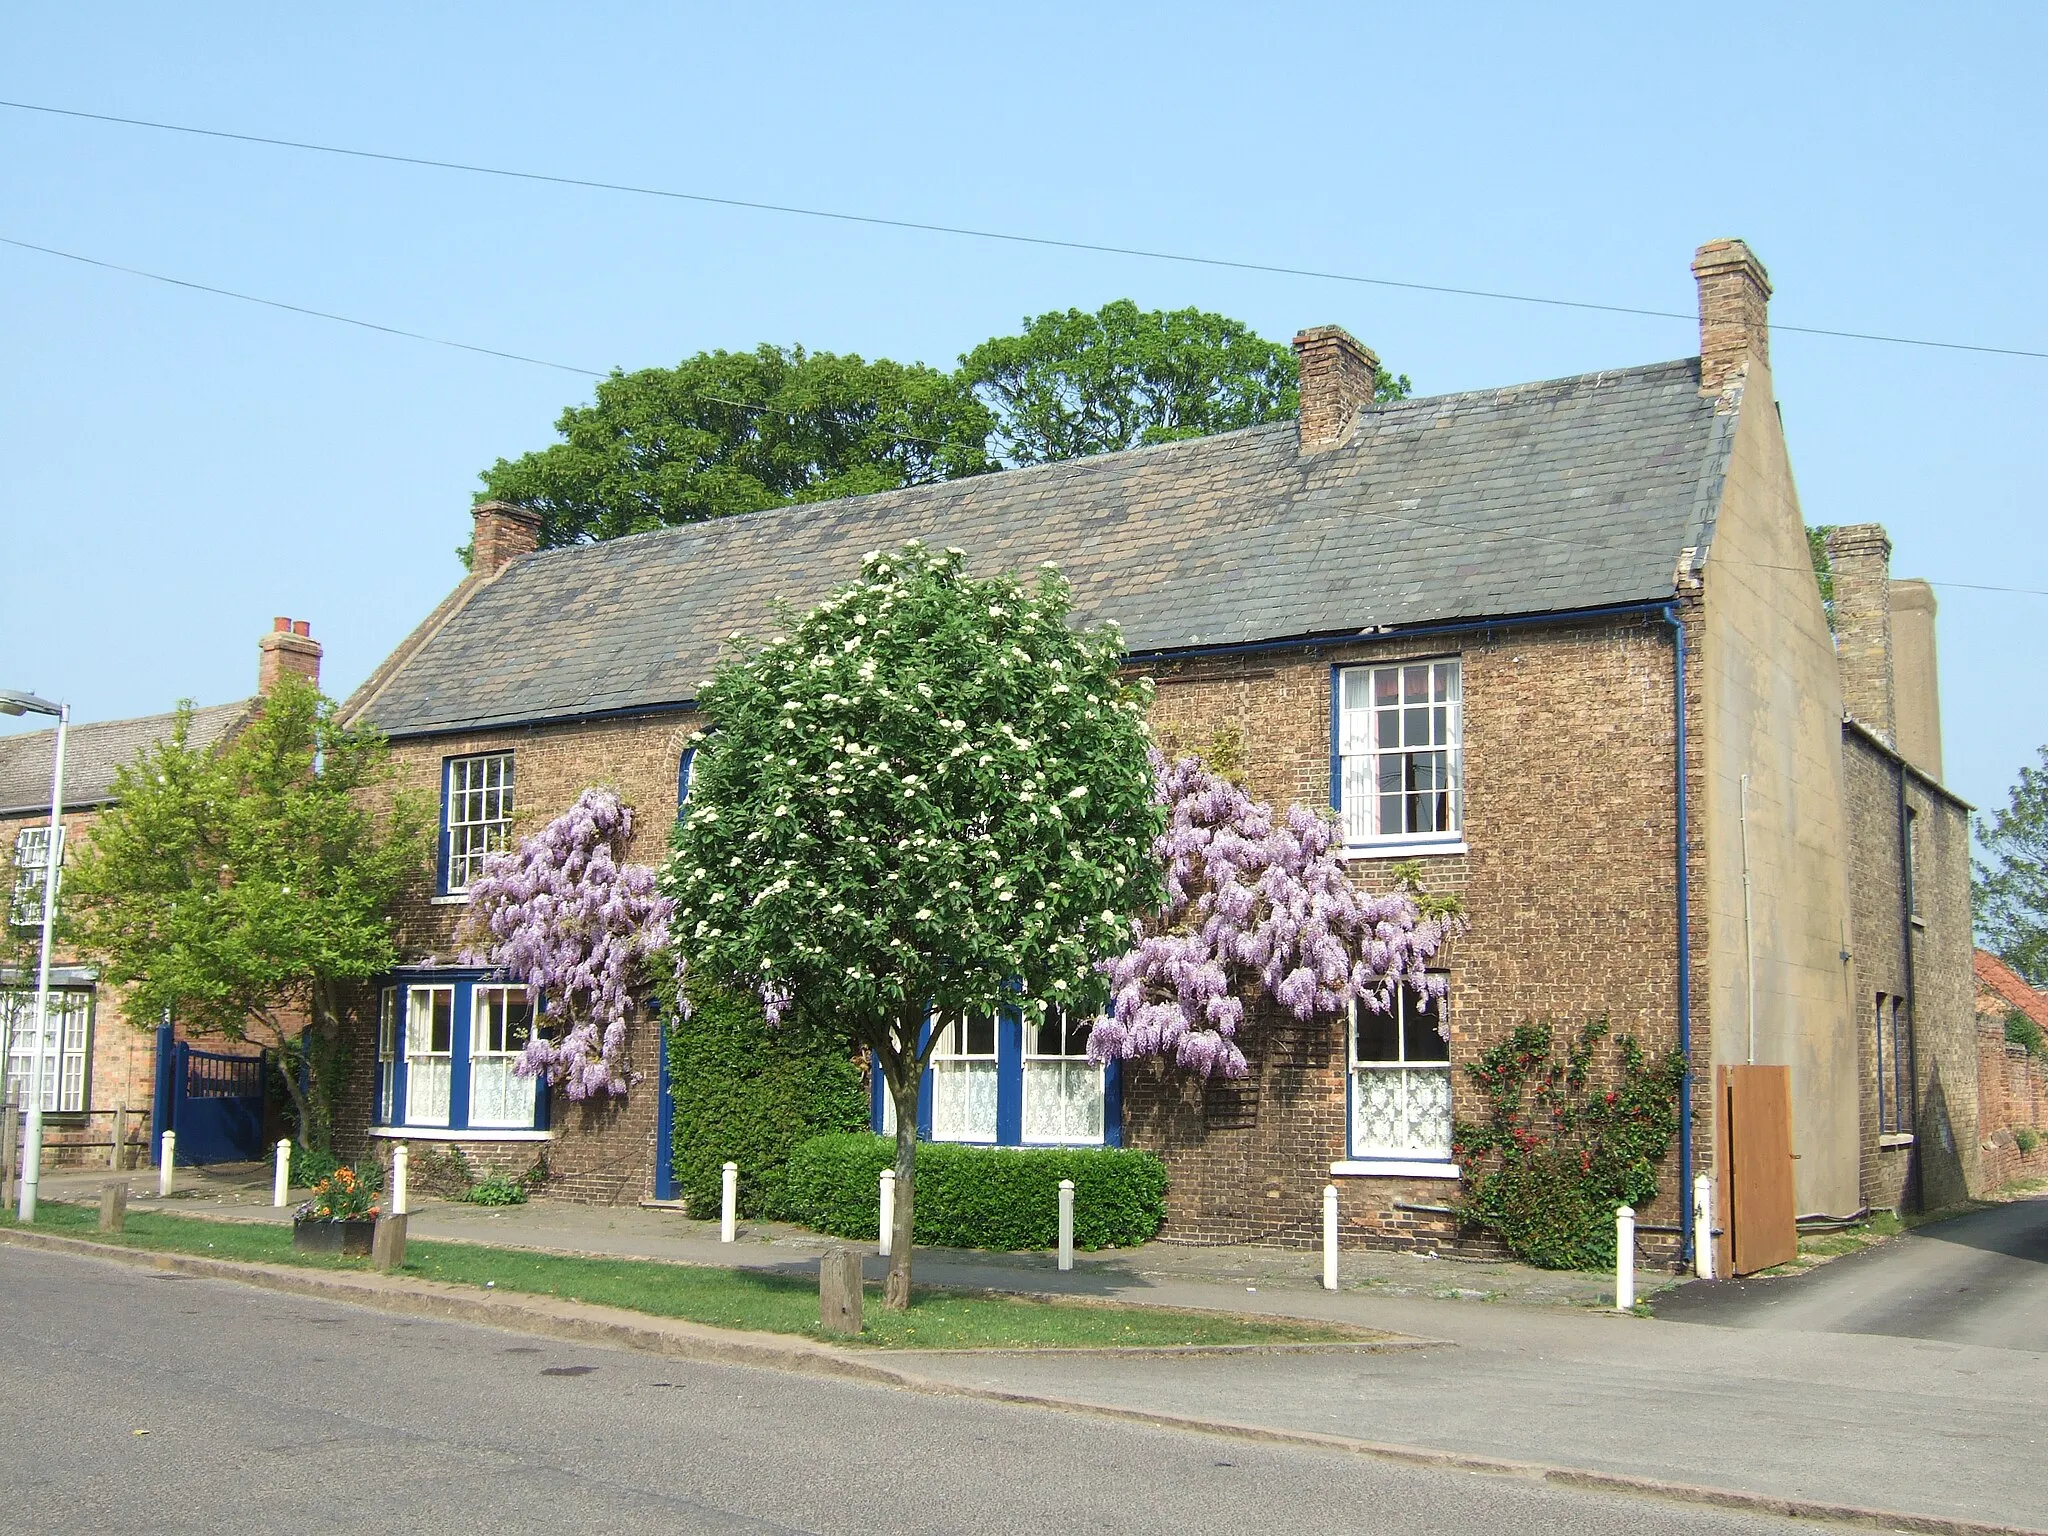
(178, 467)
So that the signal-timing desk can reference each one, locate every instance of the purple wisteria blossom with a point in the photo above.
(567, 918)
(1256, 907)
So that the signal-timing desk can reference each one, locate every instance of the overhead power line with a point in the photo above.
(1010, 237)
(518, 357)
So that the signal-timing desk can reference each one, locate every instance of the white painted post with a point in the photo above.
(729, 1203)
(1703, 1227)
(401, 1171)
(1624, 1259)
(1066, 1223)
(166, 1162)
(888, 1226)
(1329, 1237)
(281, 1181)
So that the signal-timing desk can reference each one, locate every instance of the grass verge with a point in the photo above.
(722, 1298)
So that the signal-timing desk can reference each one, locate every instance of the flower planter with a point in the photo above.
(349, 1239)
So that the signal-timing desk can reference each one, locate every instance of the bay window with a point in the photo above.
(1063, 1089)
(500, 1025)
(963, 1080)
(429, 1054)
(66, 1046)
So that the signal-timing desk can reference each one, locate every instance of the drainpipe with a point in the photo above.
(1908, 901)
(1748, 926)
(1670, 615)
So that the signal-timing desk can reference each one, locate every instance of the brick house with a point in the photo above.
(100, 1069)
(1560, 642)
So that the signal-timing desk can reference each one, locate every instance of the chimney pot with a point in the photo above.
(1735, 302)
(504, 532)
(289, 647)
(1338, 373)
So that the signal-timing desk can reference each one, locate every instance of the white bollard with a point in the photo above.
(281, 1182)
(1703, 1227)
(166, 1162)
(1066, 1223)
(888, 1224)
(1329, 1237)
(401, 1170)
(729, 1203)
(1624, 1259)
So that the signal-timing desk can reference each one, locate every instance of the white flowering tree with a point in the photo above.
(568, 917)
(929, 799)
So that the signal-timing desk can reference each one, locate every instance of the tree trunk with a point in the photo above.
(287, 1069)
(903, 1091)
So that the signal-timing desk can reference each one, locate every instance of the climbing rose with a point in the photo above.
(565, 917)
(1255, 908)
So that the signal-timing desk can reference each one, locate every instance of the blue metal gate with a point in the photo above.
(213, 1101)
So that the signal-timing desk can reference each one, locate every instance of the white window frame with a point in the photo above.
(1363, 754)
(477, 786)
(956, 1072)
(491, 1059)
(31, 869)
(387, 1054)
(1079, 1086)
(1409, 1156)
(429, 1074)
(67, 1063)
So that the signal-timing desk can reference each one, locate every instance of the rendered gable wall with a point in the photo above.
(1773, 710)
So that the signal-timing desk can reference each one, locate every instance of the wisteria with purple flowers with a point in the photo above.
(1257, 907)
(573, 922)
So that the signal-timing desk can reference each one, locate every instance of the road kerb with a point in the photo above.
(587, 1323)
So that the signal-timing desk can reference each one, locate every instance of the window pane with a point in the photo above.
(963, 1101)
(1386, 686)
(981, 1035)
(1421, 1036)
(1378, 1035)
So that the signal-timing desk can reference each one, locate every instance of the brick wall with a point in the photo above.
(2012, 1095)
(1568, 884)
(600, 1152)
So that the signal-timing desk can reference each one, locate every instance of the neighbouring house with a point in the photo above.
(1561, 643)
(101, 1070)
(2012, 1076)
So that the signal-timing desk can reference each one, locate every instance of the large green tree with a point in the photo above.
(1072, 383)
(726, 432)
(2011, 885)
(928, 798)
(242, 890)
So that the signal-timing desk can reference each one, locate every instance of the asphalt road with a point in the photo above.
(139, 1401)
(1976, 1279)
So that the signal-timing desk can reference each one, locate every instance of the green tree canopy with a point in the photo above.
(1072, 384)
(726, 432)
(242, 890)
(2011, 886)
(929, 795)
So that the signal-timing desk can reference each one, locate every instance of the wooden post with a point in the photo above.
(1066, 1232)
(1624, 1258)
(167, 1164)
(113, 1205)
(839, 1295)
(729, 1202)
(387, 1243)
(117, 1154)
(1330, 1274)
(10, 1150)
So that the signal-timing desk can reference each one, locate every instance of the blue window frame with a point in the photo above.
(1008, 1082)
(686, 767)
(446, 1042)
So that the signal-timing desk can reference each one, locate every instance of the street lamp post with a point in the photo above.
(53, 867)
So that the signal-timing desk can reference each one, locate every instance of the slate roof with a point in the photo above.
(1534, 499)
(92, 754)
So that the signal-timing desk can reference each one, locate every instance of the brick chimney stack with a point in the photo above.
(289, 647)
(1337, 376)
(1861, 555)
(1735, 302)
(503, 533)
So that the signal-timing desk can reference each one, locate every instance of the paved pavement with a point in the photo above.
(141, 1401)
(1977, 1279)
(1938, 1424)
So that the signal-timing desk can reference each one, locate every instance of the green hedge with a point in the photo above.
(747, 1093)
(982, 1197)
